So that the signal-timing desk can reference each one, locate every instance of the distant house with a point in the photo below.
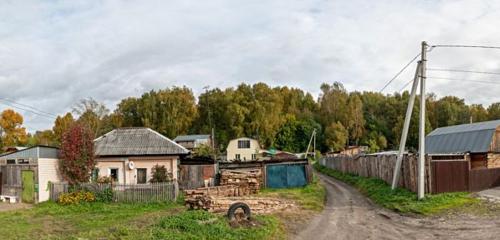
(128, 154)
(349, 151)
(26, 173)
(192, 142)
(242, 149)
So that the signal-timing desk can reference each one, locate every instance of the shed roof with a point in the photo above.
(35, 152)
(185, 138)
(475, 137)
(136, 142)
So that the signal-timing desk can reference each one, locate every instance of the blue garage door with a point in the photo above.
(285, 176)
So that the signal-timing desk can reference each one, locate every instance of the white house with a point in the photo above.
(243, 149)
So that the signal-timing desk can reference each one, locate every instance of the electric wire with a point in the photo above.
(464, 80)
(29, 107)
(464, 46)
(399, 73)
(462, 71)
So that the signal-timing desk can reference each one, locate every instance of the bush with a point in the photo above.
(105, 195)
(160, 174)
(76, 198)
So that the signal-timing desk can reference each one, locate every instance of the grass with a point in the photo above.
(401, 200)
(127, 221)
(310, 197)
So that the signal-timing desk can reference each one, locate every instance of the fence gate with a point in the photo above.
(450, 176)
(285, 175)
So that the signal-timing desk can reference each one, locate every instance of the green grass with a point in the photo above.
(310, 197)
(126, 221)
(401, 200)
(204, 225)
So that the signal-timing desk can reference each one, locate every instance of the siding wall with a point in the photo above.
(47, 172)
(245, 153)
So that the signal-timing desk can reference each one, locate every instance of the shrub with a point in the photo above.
(76, 198)
(104, 179)
(160, 174)
(105, 195)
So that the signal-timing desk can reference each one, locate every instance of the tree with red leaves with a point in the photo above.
(77, 154)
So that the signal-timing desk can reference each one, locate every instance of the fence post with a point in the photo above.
(176, 190)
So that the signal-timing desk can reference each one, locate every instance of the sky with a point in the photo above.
(54, 53)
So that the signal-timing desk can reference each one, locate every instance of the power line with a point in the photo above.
(399, 73)
(464, 46)
(28, 106)
(28, 110)
(465, 80)
(462, 71)
(406, 85)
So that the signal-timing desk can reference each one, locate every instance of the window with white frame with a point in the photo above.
(237, 157)
(243, 143)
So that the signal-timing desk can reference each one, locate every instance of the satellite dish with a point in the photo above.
(131, 165)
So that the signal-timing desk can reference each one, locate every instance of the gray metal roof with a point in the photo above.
(134, 142)
(185, 138)
(475, 137)
(34, 152)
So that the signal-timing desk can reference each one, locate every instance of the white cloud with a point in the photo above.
(54, 53)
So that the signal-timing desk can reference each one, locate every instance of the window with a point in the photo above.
(113, 173)
(95, 174)
(23, 161)
(11, 161)
(237, 157)
(254, 156)
(141, 175)
(243, 143)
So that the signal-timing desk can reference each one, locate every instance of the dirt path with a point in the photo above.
(349, 215)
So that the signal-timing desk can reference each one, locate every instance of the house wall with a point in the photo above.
(129, 176)
(245, 153)
(48, 171)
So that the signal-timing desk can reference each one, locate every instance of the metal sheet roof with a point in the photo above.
(184, 138)
(34, 152)
(475, 137)
(136, 141)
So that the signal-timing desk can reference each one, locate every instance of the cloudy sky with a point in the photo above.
(53, 53)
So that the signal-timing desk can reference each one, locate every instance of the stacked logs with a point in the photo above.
(249, 181)
(258, 205)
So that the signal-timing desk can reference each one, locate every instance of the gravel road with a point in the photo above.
(349, 215)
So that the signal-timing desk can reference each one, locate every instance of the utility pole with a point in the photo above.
(406, 127)
(212, 136)
(421, 145)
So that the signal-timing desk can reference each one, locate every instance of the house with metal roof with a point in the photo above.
(192, 142)
(26, 173)
(128, 155)
(480, 141)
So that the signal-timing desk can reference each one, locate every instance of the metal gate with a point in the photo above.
(285, 175)
(450, 176)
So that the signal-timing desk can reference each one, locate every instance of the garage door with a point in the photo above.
(285, 176)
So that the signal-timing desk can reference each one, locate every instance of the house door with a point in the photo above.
(28, 193)
(141, 175)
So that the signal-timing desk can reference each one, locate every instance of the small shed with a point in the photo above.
(465, 157)
(26, 173)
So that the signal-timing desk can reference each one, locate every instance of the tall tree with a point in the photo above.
(91, 114)
(77, 154)
(336, 136)
(494, 111)
(61, 125)
(356, 120)
(12, 132)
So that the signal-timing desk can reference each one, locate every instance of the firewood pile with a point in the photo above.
(257, 205)
(249, 181)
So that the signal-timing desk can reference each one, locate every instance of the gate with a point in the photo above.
(450, 176)
(285, 175)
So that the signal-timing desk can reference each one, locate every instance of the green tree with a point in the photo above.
(494, 111)
(336, 136)
(61, 125)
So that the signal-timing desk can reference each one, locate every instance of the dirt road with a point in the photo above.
(349, 215)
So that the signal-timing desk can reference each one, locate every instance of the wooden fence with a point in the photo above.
(128, 193)
(382, 167)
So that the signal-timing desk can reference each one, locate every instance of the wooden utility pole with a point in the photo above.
(421, 145)
(406, 127)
